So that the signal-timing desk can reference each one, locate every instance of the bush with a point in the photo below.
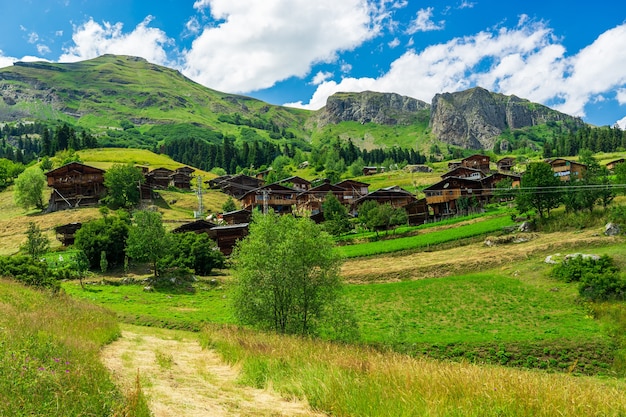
(108, 235)
(195, 251)
(29, 271)
(599, 279)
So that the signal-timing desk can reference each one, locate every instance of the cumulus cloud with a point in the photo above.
(424, 23)
(394, 43)
(621, 123)
(6, 61)
(255, 44)
(621, 95)
(526, 61)
(33, 37)
(320, 77)
(43, 49)
(93, 39)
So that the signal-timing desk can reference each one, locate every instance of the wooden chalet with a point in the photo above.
(181, 178)
(227, 236)
(67, 232)
(354, 189)
(159, 178)
(236, 217)
(277, 197)
(567, 170)
(396, 196)
(454, 164)
(198, 226)
(297, 183)
(611, 165)
(477, 161)
(214, 183)
(313, 199)
(238, 185)
(505, 164)
(492, 180)
(262, 175)
(464, 172)
(417, 211)
(75, 185)
(372, 170)
(442, 197)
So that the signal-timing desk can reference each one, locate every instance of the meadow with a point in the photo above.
(479, 228)
(49, 357)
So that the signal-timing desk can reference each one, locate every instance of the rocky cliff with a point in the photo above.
(474, 118)
(368, 106)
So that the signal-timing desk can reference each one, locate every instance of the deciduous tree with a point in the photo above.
(29, 188)
(286, 272)
(538, 190)
(123, 182)
(147, 239)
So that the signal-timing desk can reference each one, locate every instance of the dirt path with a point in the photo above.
(180, 379)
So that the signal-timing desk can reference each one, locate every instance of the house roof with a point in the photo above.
(444, 184)
(351, 183)
(295, 179)
(193, 226)
(386, 193)
(452, 172)
(272, 188)
(74, 166)
(230, 227)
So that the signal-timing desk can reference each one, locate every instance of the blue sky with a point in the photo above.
(570, 55)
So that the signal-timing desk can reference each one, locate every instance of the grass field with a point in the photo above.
(426, 240)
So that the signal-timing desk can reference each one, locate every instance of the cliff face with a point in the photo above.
(474, 118)
(368, 106)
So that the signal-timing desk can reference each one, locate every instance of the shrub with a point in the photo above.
(108, 235)
(28, 271)
(195, 251)
(599, 279)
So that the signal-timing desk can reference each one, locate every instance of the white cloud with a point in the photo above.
(526, 61)
(467, 4)
(424, 23)
(394, 43)
(193, 25)
(43, 49)
(58, 33)
(320, 77)
(33, 37)
(93, 39)
(6, 61)
(258, 43)
(621, 123)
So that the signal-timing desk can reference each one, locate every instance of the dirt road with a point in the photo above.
(182, 380)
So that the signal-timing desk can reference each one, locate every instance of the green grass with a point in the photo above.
(175, 309)
(426, 240)
(49, 355)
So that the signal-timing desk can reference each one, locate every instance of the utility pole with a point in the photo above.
(199, 193)
(266, 194)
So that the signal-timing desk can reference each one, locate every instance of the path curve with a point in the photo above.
(181, 379)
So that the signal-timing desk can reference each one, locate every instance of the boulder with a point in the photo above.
(611, 229)
(525, 227)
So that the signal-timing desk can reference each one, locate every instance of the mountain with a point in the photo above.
(151, 103)
(475, 118)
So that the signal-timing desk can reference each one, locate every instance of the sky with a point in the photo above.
(569, 55)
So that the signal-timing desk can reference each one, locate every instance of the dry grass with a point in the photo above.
(466, 259)
(351, 381)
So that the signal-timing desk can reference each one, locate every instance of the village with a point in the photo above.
(473, 180)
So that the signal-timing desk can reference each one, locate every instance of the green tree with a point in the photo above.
(123, 182)
(229, 205)
(336, 217)
(195, 251)
(381, 216)
(29, 187)
(9, 170)
(147, 240)
(286, 273)
(108, 235)
(538, 190)
(36, 242)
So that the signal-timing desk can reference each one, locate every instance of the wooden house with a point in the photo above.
(372, 170)
(238, 185)
(277, 197)
(67, 232)
(354, 189)
(464, 172)
(198, 226)
(417, 211)
(396, 196)
(236, 217)
(567, 170)
(505, 164)
(159, 178)
(214, 183)
(490, 182)
(75, 185)
(297, 183)
(181, 178)
(442, 197)
(262, 175)
(313, 199)
(227, 236)
(453, 164)
(477, 161)
(611, 165)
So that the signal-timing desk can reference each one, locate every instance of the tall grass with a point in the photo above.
(356, 381)
(49, 364)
